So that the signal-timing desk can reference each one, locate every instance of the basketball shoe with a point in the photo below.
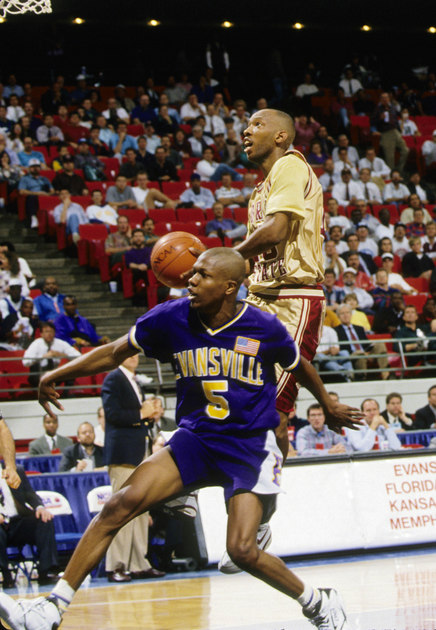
(29, 614)
(264, 537)
(328, 614)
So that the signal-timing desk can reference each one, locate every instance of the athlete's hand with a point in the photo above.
(340, 415)
(11, 476)
(47, 394)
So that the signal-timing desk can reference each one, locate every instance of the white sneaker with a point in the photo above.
(264, 537)
(29, 614)
(329, 613)
(34, 223)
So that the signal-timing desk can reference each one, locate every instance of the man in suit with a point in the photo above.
(353, 336)
(84, 455)
(24, 520)
(425, 418)
(395, 415)
(51, 441)
(126, 435)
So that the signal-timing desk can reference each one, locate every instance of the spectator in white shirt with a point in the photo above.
(395, 280)
(370, 190)
(429, 240)
(214, 124)
(429, 150)
(344, 143)
(98, 212)
(376, 165)
(366, 244)
(209, 170)
(14, 111)
(114, 113)
(400, 242)
(329, 177)
(375, 433)
(415, 187)
(332, 260)
(346, 192)
(364, 299)
(147, 198)
(197, 196)
(71, 214)
(349, 84)
(344, 162)
(334, 218)
(308, 88)
(385, 229)
(407, 126)
(415, 203)
(336, 235)
(395, 191)
(190, 111)
(331, 357)
(227, 195)
(198, 141)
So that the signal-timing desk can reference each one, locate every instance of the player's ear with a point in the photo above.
(232, 287)
(282, 137)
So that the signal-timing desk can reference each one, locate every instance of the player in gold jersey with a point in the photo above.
(285, 226)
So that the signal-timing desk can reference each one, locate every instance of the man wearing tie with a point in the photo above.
(51, 303)
(126, 445)
(51, 440)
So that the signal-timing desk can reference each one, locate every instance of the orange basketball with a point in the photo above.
(171, 257)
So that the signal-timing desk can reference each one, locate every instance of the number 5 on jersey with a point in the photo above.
(218, 407)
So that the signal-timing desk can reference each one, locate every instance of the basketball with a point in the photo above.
(171, 257)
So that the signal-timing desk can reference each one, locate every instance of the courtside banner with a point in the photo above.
(338, 506)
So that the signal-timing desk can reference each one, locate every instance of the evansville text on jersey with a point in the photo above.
(213, 361)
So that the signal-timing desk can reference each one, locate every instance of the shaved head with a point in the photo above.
(228, 261)
(282, 122)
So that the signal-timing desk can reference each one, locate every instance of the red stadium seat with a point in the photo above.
(135, 216)
(192, 227)
(190, 214)
(420, 284)
(167, 215)
(241, 215)
(111, 166)
(173, 190)
(416, 300)
(162, 228)
(89, 233)
(228, 214)
(185, 174)
(135, 130)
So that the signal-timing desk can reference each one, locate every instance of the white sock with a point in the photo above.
(309, 597)
(62, 594)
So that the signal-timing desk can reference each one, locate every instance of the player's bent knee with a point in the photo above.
(243, 554)
(120, 508)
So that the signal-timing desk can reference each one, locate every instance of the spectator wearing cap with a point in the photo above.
(415, 264)
(395, 191)
(197, 196)
(32, 186)
(47, 133)
(114, 113)
(364, 299)
(71, 214)
(121, 140)
(143, 112)
(395, 280)
(11, 303)
(429, 150)
(346, 192)
(67, 179)
(91, 166)
(400, 242)
(28, 153)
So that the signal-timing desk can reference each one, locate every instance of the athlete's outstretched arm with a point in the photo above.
(101, 359)
(270, 233)
(337, 415)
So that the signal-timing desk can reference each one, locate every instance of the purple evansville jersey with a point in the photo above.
(225, 377)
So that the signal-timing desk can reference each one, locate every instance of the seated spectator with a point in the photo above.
(97, 146)
(346, 192)
(382, 293)
(249, 180)
(91, 166)
(9, 173)
(350, 84)
(351, 154)
(326, 140)
(25, 520)
(85, 455)
(190, 111)
(181, 144)
(376, 433)
(366, 245)
(388, 318)
(91, 113)
(176, 94)
(71, 214)
(344, 163)
(11, 303)
(50, 303)
(336, 235)
(75, 130)
(46, 352)
(315, 156)
(32, 186)
(58, 162)
(385, 230)
(114, 113)
(385, 247)
(331, 357)
(120, 195)
(415, 203)
(407, 126)
(358, 317)
(364, 299)
(198, 141)
(162, 170)
(50, 441)
(305, 130)
(415, 264)
(171, 155)
(48, 134)
(221, 227)
(353, 336)
(361, 214)
(99, 212)
(334, 294)
(394, 414)
(10, 270)
(417, 226)
(148, 228)
(118, 243)
(121, 141)
(370, 192)
(395, 191)
(429, 150)
(429, 240)
(209, 170)
(425, 417)
(28, 153)
(332, 259)
(317, 439)
(227, 195)
(148, 197)
(400, 242)
(122, 99)
(137, 259)
(364, 262)
(17, 330)
(131, 167)
(143, 112)
(76, 329)
(105, 134)
(214, 123)
(153, 140)
(67, 179)
(418, 187)
(197, 196)
(395, 280)
(295, 423)
(24, 265)
(329, 176)
(307, 88)
(377, 166)
(418, 336)
(143, 156)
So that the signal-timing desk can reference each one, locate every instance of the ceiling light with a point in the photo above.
(298, 26)
(366, 28)
(227, 24)
(78, 20)
(2, 20)
(431, 29)
(153, 22)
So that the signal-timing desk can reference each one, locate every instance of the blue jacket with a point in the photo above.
(69, 327)
(46, 309)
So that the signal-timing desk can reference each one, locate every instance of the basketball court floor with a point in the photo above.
(389, 591)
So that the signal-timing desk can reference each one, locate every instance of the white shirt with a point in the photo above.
(384, 231)
(400, 247)
(340, 166)
(206, 169)
(342, 221)
(329, 339)
(377, 166)
(421, 193)
(339, 192)
(424, 240)
(352, 153)
(105, 213)
(9, 509)
(214, 125)
(15, 113)
(407, 216)
(429, 151)
(373, 191)
(395, 192)
(329, 265)
(364, 438)
(368, 246)
(305, 89)
(228, 193)
(188, 112)
(131, 377)
(325, 178)
(121, 113)
(350, 86)
(39, 347)
(4, 310)
(409, 128)
(364, 299)
(395, 278)
(197, 147)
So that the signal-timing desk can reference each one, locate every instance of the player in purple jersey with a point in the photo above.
(224, 353)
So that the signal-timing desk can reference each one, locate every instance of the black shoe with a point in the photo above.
(119, 576)
(8, 580)
(150, 573)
